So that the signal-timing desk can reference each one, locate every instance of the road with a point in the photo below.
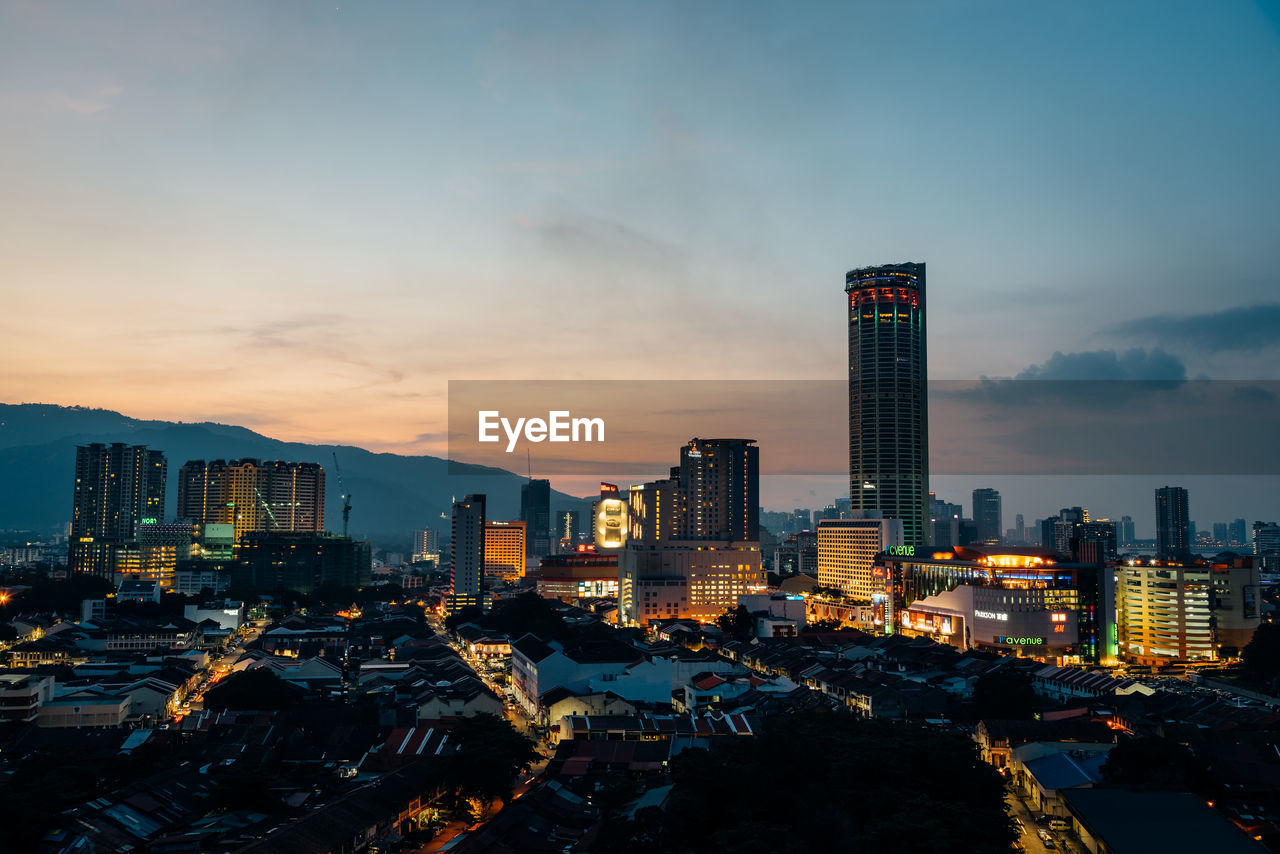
(1031, 839)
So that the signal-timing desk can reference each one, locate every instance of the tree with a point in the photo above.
(737, 623)
(259, 688)
(1004, 695)
(873, 786)
(1262, 655)
(469, 614)
(490, 753)
(1156, 763)
(830, 625)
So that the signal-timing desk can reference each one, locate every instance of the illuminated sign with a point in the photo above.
(611, 523)
(991, 615)
(1012, 641)
(147, 520)
(902, 551)
(1058, 618)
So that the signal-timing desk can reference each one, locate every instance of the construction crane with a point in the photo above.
(265, 506)
(346, 496)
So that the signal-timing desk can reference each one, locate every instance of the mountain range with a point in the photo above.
(392, 494)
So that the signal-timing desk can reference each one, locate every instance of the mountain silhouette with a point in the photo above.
(392, 494)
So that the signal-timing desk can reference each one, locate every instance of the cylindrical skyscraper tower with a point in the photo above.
(888, 396)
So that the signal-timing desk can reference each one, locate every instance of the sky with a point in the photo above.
(307, 219)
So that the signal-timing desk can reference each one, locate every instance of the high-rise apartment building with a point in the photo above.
(253, 495)
(468, 554)
(847, 549)
(888, 395)
(426, 545)
(987, 516)
(720, 482)
(504, 553)
(1173, 531)
(116, 487)
(535, 512)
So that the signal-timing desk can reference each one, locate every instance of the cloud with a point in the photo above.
(1135, 365)
(1240, 329)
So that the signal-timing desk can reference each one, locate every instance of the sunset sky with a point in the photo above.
(308, 218)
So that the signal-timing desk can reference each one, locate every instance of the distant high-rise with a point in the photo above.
(426, 545)
(116, 488)
(945, 522)
(987, 516)
(1127, 534)
(535, 512)
(252, 495)
(1236, 533)
(468, 554)
(1173, 531)
(888, 396)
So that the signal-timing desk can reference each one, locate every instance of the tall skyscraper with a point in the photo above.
(987, 516)
(888, 396)
(1173, 531)
(117, 486)
(252, 495)
(535, 512)
(468, 554)
(426, 545)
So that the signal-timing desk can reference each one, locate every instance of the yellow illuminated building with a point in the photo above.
(504, 549)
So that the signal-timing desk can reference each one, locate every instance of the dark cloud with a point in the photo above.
(1133, 365)
(1241, 329)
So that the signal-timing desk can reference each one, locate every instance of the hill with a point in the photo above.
(392, 494)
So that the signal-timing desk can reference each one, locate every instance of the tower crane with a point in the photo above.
(265, 506)
(346, 496)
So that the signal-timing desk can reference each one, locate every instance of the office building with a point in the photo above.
(535, 512)
(1173, 531)
(987, 516)
(253, 495)
(301, 561)
(467, 586)
(888, 396)
(1266, 538)
(797, 554)
(504, 554)
(1180, 612)
(116, 487)
(847, 550)
(1128, 536)
(686, 579)
(1236, 533)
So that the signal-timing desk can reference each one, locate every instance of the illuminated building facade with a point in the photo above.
(1174, 612)
(1016, 601)
(847, 549)
(579, 575)
(160, 546)
(686, 579)
(720, 483)
(251, 495)
(610, 519)
(888, 396)
(116, 487)
(504, 549)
